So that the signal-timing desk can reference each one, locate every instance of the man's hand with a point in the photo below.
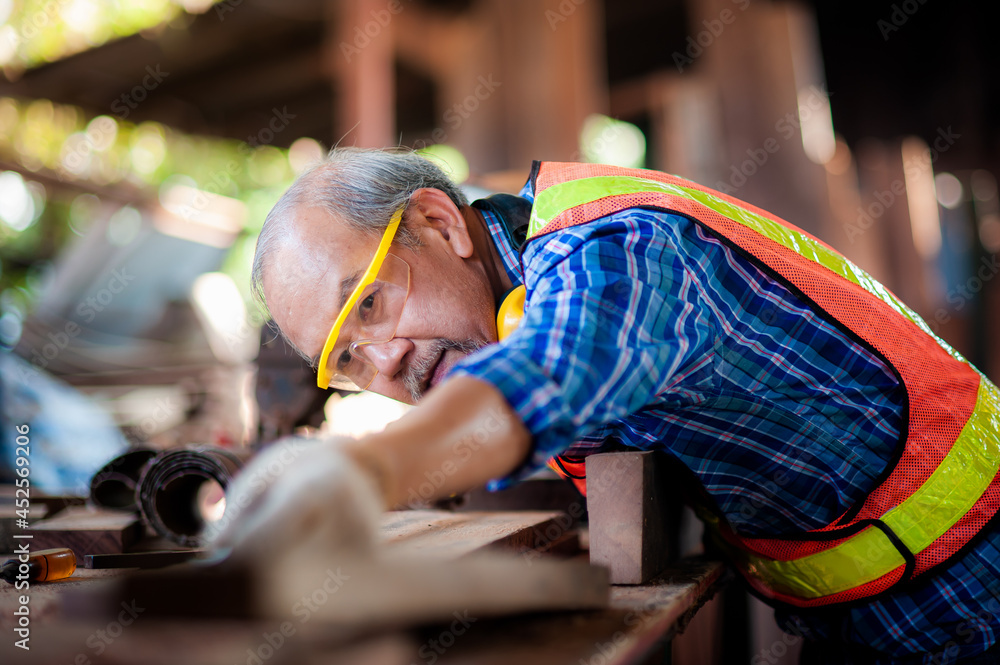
(296, 496)
(326, 496)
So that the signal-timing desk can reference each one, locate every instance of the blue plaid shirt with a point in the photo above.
(642, 328)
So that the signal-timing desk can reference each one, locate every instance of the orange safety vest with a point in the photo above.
(944, 487)
(573, 469)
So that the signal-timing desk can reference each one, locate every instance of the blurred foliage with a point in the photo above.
(91, 165)
(33, 32)
(449, 158)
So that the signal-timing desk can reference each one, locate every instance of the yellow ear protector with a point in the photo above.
(510, 312)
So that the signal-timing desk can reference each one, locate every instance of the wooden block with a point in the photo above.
(88, 531)
(626, 500)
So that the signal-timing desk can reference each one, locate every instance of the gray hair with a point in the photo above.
(358, 187)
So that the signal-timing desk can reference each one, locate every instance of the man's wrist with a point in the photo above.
(375, 466)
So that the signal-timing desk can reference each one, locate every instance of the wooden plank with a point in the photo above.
(636, 624)
(628, 515)
(664, 607)
(417, 591)
(145, 642)
(88, 531)
(433, 563)
(430, 563)
(442, 534)
(352, 592)
(638, 619)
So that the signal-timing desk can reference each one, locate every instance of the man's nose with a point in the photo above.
(387, 357)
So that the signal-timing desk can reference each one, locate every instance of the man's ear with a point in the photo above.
(431, 210)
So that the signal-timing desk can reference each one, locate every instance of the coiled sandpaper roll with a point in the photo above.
(115, 484)
(170, 487)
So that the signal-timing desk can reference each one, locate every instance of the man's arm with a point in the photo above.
(460, 436)
(326, 495)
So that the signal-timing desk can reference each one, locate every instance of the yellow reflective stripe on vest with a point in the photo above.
(960, 479)
(950, 491)
(866, 557)
(918, 521)
(552, 201)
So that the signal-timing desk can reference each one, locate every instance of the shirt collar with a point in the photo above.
(508, 255)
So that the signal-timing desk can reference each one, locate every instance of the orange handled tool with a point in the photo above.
(41, 566)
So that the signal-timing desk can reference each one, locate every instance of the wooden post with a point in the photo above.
(359, 56)
(628, 507)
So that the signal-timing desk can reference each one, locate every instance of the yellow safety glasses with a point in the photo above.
(370, 315)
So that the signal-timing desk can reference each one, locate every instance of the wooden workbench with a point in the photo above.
(639, 620)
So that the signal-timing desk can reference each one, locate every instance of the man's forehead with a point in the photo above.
(314, 269)
(323, 245)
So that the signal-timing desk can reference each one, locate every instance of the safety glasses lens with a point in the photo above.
(373, 319)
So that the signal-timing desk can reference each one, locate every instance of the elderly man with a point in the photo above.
(844, 456)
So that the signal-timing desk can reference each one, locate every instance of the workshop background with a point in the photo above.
(142, 143)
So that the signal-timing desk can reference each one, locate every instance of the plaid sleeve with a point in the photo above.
(611, 317)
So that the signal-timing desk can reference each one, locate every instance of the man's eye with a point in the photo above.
(368, 307)
(343, 360)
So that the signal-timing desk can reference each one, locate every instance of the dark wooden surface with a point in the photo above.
(639, 619)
